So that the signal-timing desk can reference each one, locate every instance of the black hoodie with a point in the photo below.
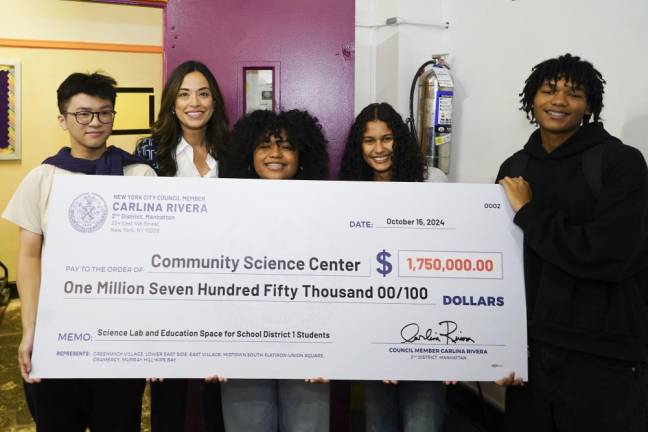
(586, 256)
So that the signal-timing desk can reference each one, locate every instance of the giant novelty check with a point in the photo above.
(158, 277)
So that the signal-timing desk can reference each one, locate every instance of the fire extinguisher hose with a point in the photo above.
(410, 121)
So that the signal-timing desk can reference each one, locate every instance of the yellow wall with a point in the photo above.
(80, 21)
(43, 70)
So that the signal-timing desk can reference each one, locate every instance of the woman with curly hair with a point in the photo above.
(297, 132)
(190, 132)
(379, 147)
(284, 146)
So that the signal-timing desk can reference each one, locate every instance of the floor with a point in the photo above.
(15, 417)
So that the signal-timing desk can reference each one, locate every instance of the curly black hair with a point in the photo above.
(579, 73)
(303, 131)
(407, 161)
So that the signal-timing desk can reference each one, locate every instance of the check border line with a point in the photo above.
(432, 344)
(241, 300)
(417, 228)
(206, 341)
(261, 274)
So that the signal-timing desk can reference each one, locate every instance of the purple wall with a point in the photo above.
(4, 109)
(310, 41)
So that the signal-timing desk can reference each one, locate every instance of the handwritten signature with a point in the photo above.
(446, 333)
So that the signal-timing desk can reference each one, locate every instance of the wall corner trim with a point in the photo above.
(76, 45)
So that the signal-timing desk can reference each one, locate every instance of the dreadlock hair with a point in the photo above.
(92, 84)
(167, 131)
(303, 131)
(407, 161)
(577, 72)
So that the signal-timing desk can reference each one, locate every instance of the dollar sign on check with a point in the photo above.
(385, 266)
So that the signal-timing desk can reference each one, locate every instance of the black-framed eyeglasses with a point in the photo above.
(86, 117)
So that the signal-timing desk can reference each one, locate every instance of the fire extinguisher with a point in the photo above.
(434, 112)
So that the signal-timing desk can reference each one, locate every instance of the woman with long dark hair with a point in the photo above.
(192, 128)
(379, 147)
(270, 146)
(187, 140)
(397, 157)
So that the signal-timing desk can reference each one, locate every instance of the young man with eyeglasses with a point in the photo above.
(86, 105)
(581, 198)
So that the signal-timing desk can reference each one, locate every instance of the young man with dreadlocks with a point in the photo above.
(581, 198)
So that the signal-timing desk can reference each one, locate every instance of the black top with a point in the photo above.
(586, 254)
(146, 149)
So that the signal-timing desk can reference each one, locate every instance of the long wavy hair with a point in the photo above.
(407, 161)
(303, 130)
(167, 131)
